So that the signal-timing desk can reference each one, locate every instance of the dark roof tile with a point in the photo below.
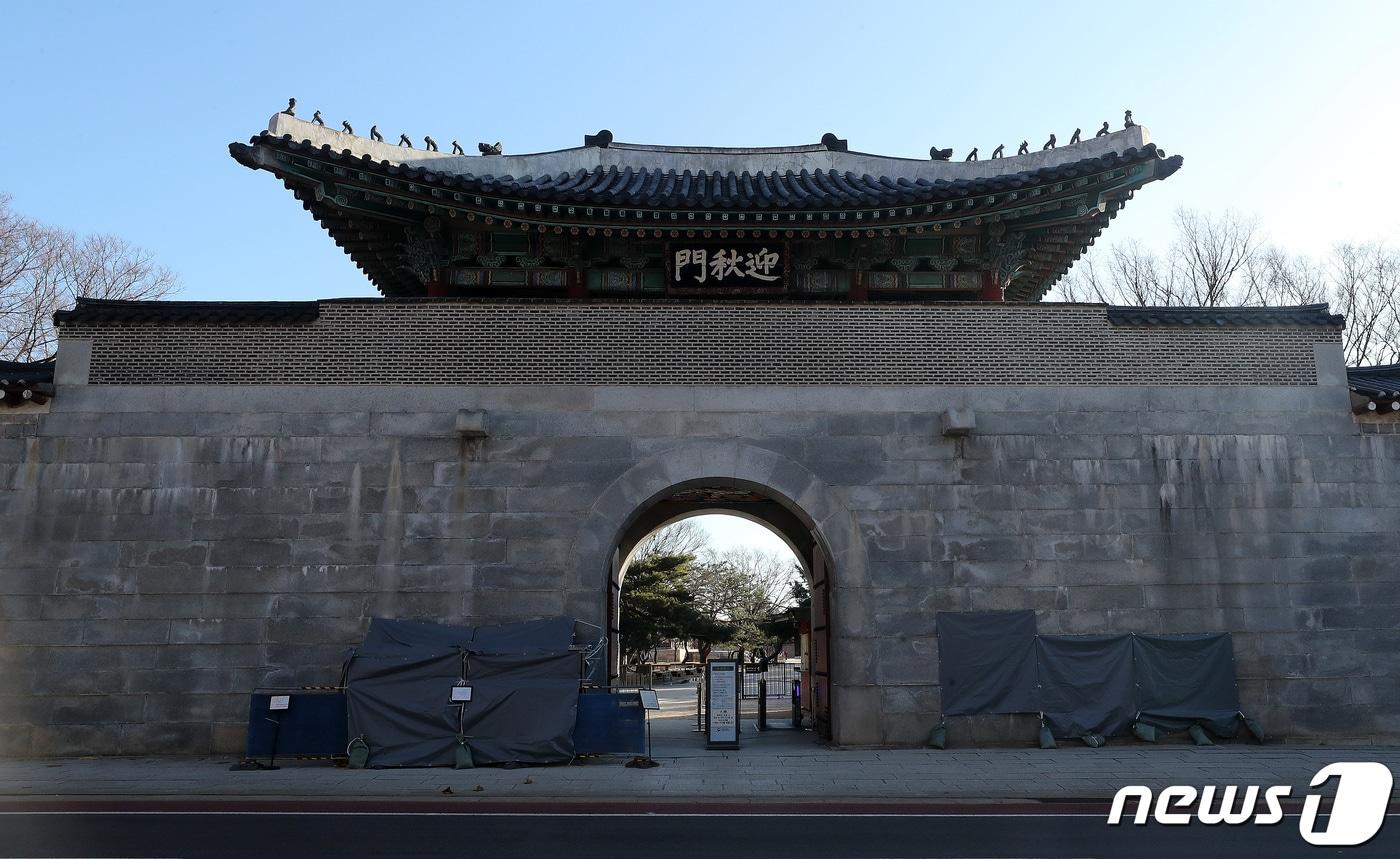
(94, 310)
(812, 188)
(1379, 382)
(28, 372)
(1225, 317)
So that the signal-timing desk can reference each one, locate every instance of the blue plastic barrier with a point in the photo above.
(610, 723)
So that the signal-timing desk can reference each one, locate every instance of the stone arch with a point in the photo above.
(835, 546)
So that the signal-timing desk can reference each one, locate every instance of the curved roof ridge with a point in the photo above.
(717, 150)
(710, 159)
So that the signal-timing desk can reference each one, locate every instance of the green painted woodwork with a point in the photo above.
(926, 280)
(510, 244)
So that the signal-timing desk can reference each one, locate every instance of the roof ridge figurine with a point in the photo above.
(457, 148)
(489, 148)
(345, 126)
(404, 141)
(291, 107)
(1049, 144)
(1000, 151)
(971, 156)
(1074, 138)
(940, 154)
(1024, 148)
(1102, 132)
(1128, 119)
(603, 139)
(317, 120)
(429, 143)
(374, 134)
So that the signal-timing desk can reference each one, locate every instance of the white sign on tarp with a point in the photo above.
(722, 693)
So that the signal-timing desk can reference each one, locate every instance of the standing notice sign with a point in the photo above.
(722, 703)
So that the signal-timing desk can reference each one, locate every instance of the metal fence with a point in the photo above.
(650, 676)
(780, 677)
(640, 678)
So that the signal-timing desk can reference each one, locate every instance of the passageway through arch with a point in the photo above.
(774, 512)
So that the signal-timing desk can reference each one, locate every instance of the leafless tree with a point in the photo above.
(1218, 260)
(768, 576)
(679, 538)
(1210, 251)
(1365, 282)
(44, 269)
(744, 587)
(1274, 277)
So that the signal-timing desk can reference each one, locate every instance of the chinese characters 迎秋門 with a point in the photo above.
(726, 263)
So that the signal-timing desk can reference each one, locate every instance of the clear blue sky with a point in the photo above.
(117, 115)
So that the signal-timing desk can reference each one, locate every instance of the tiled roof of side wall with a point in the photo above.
(215, 312)
(30, 372)
(91, 310)
(1225, 317)
(1382, 381)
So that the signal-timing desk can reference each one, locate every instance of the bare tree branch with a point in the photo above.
(679, 538)
(44, 269)
(1209, 252)
(1217, 260)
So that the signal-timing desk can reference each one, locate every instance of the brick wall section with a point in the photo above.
(484, 343)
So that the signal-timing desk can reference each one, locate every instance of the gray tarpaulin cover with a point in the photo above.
(1185, 679)
(995, 662)
(1086, 683)
(987, 662)
(523, 707)
(550, 635)
(524, 697)
(402, 706)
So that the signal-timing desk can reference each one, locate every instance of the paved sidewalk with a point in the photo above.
(786, 772)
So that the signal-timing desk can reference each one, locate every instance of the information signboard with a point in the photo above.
(722, 704)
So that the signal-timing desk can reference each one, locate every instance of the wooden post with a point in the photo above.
(991, 287)
(858, 292)
(577, 284)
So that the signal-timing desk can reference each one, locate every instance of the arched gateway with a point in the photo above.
(758, 484)
(572, 346)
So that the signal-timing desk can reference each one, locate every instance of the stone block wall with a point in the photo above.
(167, 548)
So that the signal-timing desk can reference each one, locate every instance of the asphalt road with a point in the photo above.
(810, 833)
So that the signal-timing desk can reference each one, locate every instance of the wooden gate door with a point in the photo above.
(821, 644)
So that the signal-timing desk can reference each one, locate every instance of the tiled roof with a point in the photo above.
(670, 189)
(1379, 382)
(1051, 204)
(26, 382)
(1225, 317)
(213, 312)
(31, 372)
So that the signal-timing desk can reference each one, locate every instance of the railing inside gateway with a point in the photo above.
(779, 677)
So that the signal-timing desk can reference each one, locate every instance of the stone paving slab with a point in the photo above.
(817, 774)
